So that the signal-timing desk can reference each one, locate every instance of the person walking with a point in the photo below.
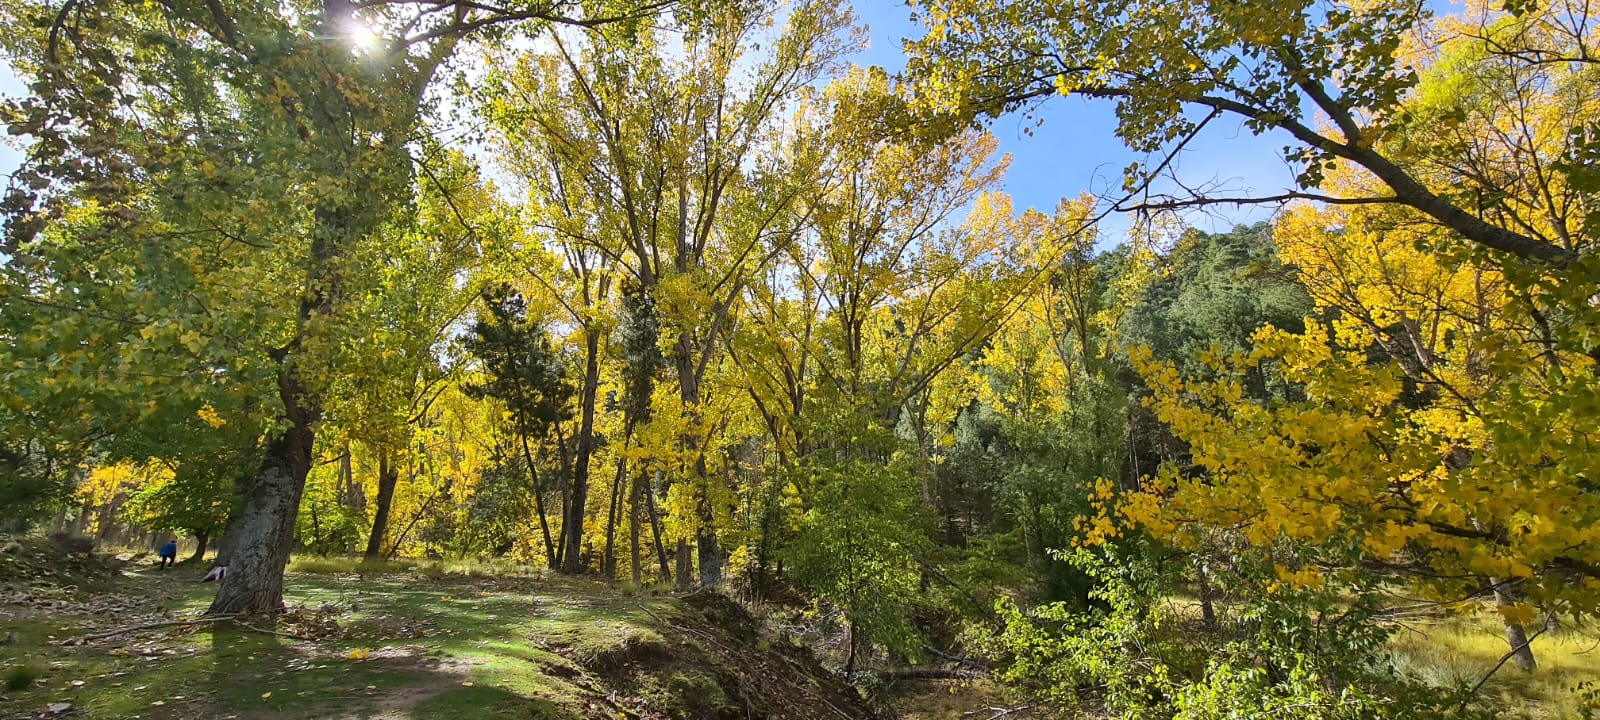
(169, 553)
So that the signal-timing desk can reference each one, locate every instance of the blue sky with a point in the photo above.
(10, 86)
(1074, 150)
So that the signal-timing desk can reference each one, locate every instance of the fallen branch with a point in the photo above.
(155, 626)
(265, 631)
(932, 674)
(999, 712)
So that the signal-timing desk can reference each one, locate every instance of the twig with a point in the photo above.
(1506, 657)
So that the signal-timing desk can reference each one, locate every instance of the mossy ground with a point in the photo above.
(399, 641)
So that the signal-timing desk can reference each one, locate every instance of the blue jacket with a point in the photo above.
(169, 550)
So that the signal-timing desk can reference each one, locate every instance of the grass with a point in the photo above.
(434, 569)
(1459, 651)
(412, 640)
(21, 675)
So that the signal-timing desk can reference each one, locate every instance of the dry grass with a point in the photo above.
(342, 565)
(1462, 650)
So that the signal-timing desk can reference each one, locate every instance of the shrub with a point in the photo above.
(1314, 653)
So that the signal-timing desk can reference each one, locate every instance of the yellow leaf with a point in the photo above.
(1518, 614)
(210, 416)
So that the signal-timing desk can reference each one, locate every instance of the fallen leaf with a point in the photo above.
(266, 694)
(466, 683)
(58, 708)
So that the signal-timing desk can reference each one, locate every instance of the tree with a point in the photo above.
(1410, 450)
(664, 166)
(523, 372)
(261, 149)
(1280, 66)
(397, 348)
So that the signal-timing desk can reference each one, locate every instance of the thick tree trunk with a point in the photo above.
(228, 541)
(684, 569)
(265, 530)
(572, 526)
(200, 538)
(388, 480)
(710, 557)
(230, 529)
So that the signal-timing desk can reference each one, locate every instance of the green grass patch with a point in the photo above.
(495, 702)
(322, 565)
(412, 640)
(21, 675)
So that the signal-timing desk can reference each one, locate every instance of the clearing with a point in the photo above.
(394, 643)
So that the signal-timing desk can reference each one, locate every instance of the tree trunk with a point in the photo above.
(710, 557)
(850, 655)
(388, 480)
(609, 560)
(634, 554)
(354, 495)
(566, 466)
(228, 541)
(706, 539)
(230, 529)
(684, 569)
(572, 526)
(538, 503)
(265, 531)
(1208, 611)
(655, 531)
(200, 538)
(1516, 634)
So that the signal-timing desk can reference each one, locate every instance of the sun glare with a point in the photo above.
(364, 38)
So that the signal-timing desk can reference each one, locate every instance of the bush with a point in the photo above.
(1315, 653)
(28, 494)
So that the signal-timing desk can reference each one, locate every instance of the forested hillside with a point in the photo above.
(674, 295)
